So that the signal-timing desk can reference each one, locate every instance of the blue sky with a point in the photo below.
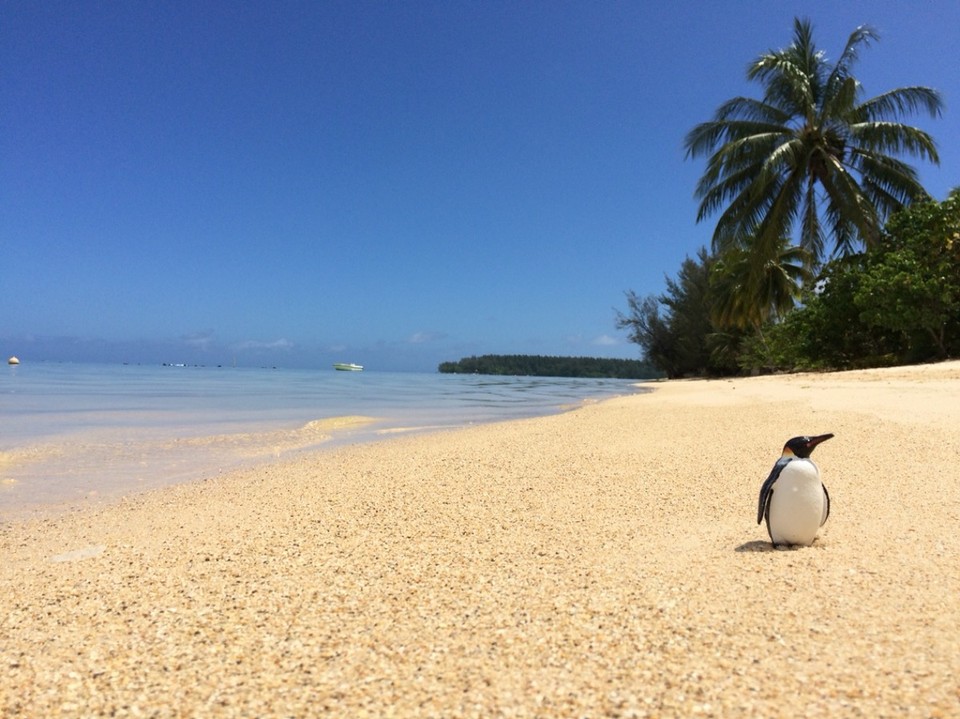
(391, 183)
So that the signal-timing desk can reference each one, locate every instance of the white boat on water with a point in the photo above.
(348, 367)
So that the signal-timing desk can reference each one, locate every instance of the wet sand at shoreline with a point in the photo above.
(53, 477)
(602, 562)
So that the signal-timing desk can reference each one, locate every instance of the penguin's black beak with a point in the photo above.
(814, 441)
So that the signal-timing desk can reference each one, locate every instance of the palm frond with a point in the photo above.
(889, 171)
(842, 230)
(899, 102)
(752, 151)
(717, 194)
(736, 164)
(886, 201)
(795, 261)
(801, 56)
(705, 137)
(755, 282)
(742, 216)
(788, 86)
(781, 209)
(811, 229)
(839, 100)
(763, 201)
(747, 108)
(848, 208)
(861, 36)
(890, 183)
(896, 138)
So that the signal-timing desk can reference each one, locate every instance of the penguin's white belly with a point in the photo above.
(798, 506)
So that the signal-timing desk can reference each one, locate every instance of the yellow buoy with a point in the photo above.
(12, 360)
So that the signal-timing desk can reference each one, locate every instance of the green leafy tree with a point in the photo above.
(649, 329)
(911, 284)
(826, 331)
(673, 329)
(811, 152)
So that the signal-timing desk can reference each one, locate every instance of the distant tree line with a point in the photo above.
(541, 366)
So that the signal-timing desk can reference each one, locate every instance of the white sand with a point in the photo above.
(604, 562)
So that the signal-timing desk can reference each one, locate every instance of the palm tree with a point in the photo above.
(810, 152)
(755, 285)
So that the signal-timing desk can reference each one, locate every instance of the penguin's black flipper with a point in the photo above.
(767, 489)
(766, 516)
(826, 499)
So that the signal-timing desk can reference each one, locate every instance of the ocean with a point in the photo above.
(80, 434)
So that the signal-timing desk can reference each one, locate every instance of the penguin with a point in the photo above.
(793, 500)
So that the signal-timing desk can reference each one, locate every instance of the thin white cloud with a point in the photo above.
(200, 340)
(605, 341)
(280, 344)
(419, 338)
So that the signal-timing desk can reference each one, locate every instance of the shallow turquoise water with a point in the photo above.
(75, 433)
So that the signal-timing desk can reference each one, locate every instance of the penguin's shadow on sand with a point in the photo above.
(756, 546)
(761, 546)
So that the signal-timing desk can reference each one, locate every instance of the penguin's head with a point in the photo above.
(802, 446)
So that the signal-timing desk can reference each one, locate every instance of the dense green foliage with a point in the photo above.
(826, 331)
(674, 328)
(541, 366)
(896, 303)
(912, 281)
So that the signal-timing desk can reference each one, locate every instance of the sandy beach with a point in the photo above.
(605, 562)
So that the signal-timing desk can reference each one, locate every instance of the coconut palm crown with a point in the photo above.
(811, 152)
(754, 285)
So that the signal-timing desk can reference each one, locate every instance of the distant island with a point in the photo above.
(540, 366)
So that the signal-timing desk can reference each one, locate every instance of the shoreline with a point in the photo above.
(90, 473)
(602, 561)
(153, 428)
